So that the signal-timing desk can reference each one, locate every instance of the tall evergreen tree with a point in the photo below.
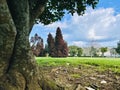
(51, 46)
(57, 47)
(60, 45)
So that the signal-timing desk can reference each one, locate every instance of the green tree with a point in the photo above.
(113, 52)
(93, 52)
(18, 69)
(103, 50)
(80, 51)
(73, 50)
(118, 48)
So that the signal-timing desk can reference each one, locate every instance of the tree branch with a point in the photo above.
(36, 8)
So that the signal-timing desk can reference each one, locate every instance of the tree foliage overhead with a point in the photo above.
(48, 11)
(55, 9)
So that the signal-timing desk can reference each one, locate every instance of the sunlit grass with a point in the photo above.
(101, 63)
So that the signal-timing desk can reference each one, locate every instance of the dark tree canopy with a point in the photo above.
(56, 9)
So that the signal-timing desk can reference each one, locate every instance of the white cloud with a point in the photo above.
(100, 24)
(92, 35)
(57, 24)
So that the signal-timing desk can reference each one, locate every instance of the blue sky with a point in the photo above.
(100, 26)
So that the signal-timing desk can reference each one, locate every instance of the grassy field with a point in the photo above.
(100, 63)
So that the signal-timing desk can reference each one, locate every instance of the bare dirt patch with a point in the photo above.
(82, 77)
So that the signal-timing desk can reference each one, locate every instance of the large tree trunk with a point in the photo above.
(18, 69)
(7, 37)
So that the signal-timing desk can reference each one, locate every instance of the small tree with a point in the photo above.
(118, 48)
(93, 51)
(37, 45)
(80, 51)
(73, 50)
(113, 52)
(103, 50)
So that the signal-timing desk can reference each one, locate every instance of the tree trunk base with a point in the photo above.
(17, 81)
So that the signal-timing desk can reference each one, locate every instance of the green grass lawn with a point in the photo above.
(101, 63)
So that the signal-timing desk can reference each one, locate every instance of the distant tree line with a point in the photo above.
(75, 51)
(57, 47)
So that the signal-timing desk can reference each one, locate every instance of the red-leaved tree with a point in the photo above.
(57, 47)
(37, 45)
(60, 45)
(51, 45)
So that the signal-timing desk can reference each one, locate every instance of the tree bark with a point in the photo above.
(18, 69)
(7, 37)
